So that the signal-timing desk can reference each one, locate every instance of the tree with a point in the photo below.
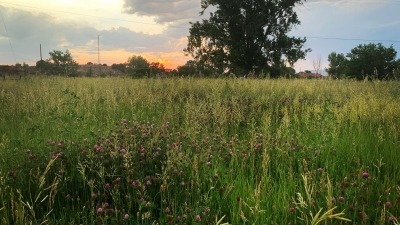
(138, 66)
(337, 65)
(43, 66)
(190, 68)
(121, 67)
(246, 35)
(372, 60)
(193, 68)
(156, 68)
(62, 63)
(317, 65)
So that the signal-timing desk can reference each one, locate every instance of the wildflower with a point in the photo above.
(292, 209)
(365, 174)
(107, 186)
(100, 210)
(167, 210)
(105, 205)
(122, 151)
(93, 195)
(126, 216)
(320, 170)
(148, 183)
(197, 218)
(392, 218)
(341, 198)
(388, 204)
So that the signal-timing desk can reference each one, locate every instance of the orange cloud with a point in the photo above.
(170, 60)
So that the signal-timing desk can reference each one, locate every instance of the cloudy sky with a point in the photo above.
(158, 29)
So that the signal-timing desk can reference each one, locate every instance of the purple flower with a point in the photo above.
(365, 174)
(388, 204)
(100, 210)
(341, 198)
(292, 209)
(126, 216)
(197, 218)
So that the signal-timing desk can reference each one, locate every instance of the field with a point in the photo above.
(199, 151)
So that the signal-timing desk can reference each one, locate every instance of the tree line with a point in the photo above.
(366, 61)
(248, 38)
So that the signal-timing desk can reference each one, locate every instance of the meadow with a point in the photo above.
(199, 151)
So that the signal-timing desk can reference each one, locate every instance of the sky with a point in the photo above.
(157, 29)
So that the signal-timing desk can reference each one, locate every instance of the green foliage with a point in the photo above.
(193, 68)
(138, 66)
(372, 61)
(224, 151)
(121, 67)
(242, 36)
(337, 65)
(61, 63)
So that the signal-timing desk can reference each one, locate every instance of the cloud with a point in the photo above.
(351, 6)
(26, 30)
(164, 11)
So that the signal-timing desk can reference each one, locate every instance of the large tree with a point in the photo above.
(372, 60)
(245, 35)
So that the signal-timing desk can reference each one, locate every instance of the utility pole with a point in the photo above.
(41, 52)
(98, 48)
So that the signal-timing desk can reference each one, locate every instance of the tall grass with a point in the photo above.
(199, 151)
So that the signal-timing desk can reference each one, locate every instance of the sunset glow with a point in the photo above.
(158, 30)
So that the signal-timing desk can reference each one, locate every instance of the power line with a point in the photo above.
(8, 36)
(352, 39)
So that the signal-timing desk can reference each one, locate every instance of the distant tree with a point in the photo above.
(43, 66)
(372, 60)
(156, 68)
(18, 67)
(138, 66)
(193, 68)
(120, 66)
(245, 36)
(62, 63)
(337, 65)
(288, 72)
(190, 68)
(317, 65)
